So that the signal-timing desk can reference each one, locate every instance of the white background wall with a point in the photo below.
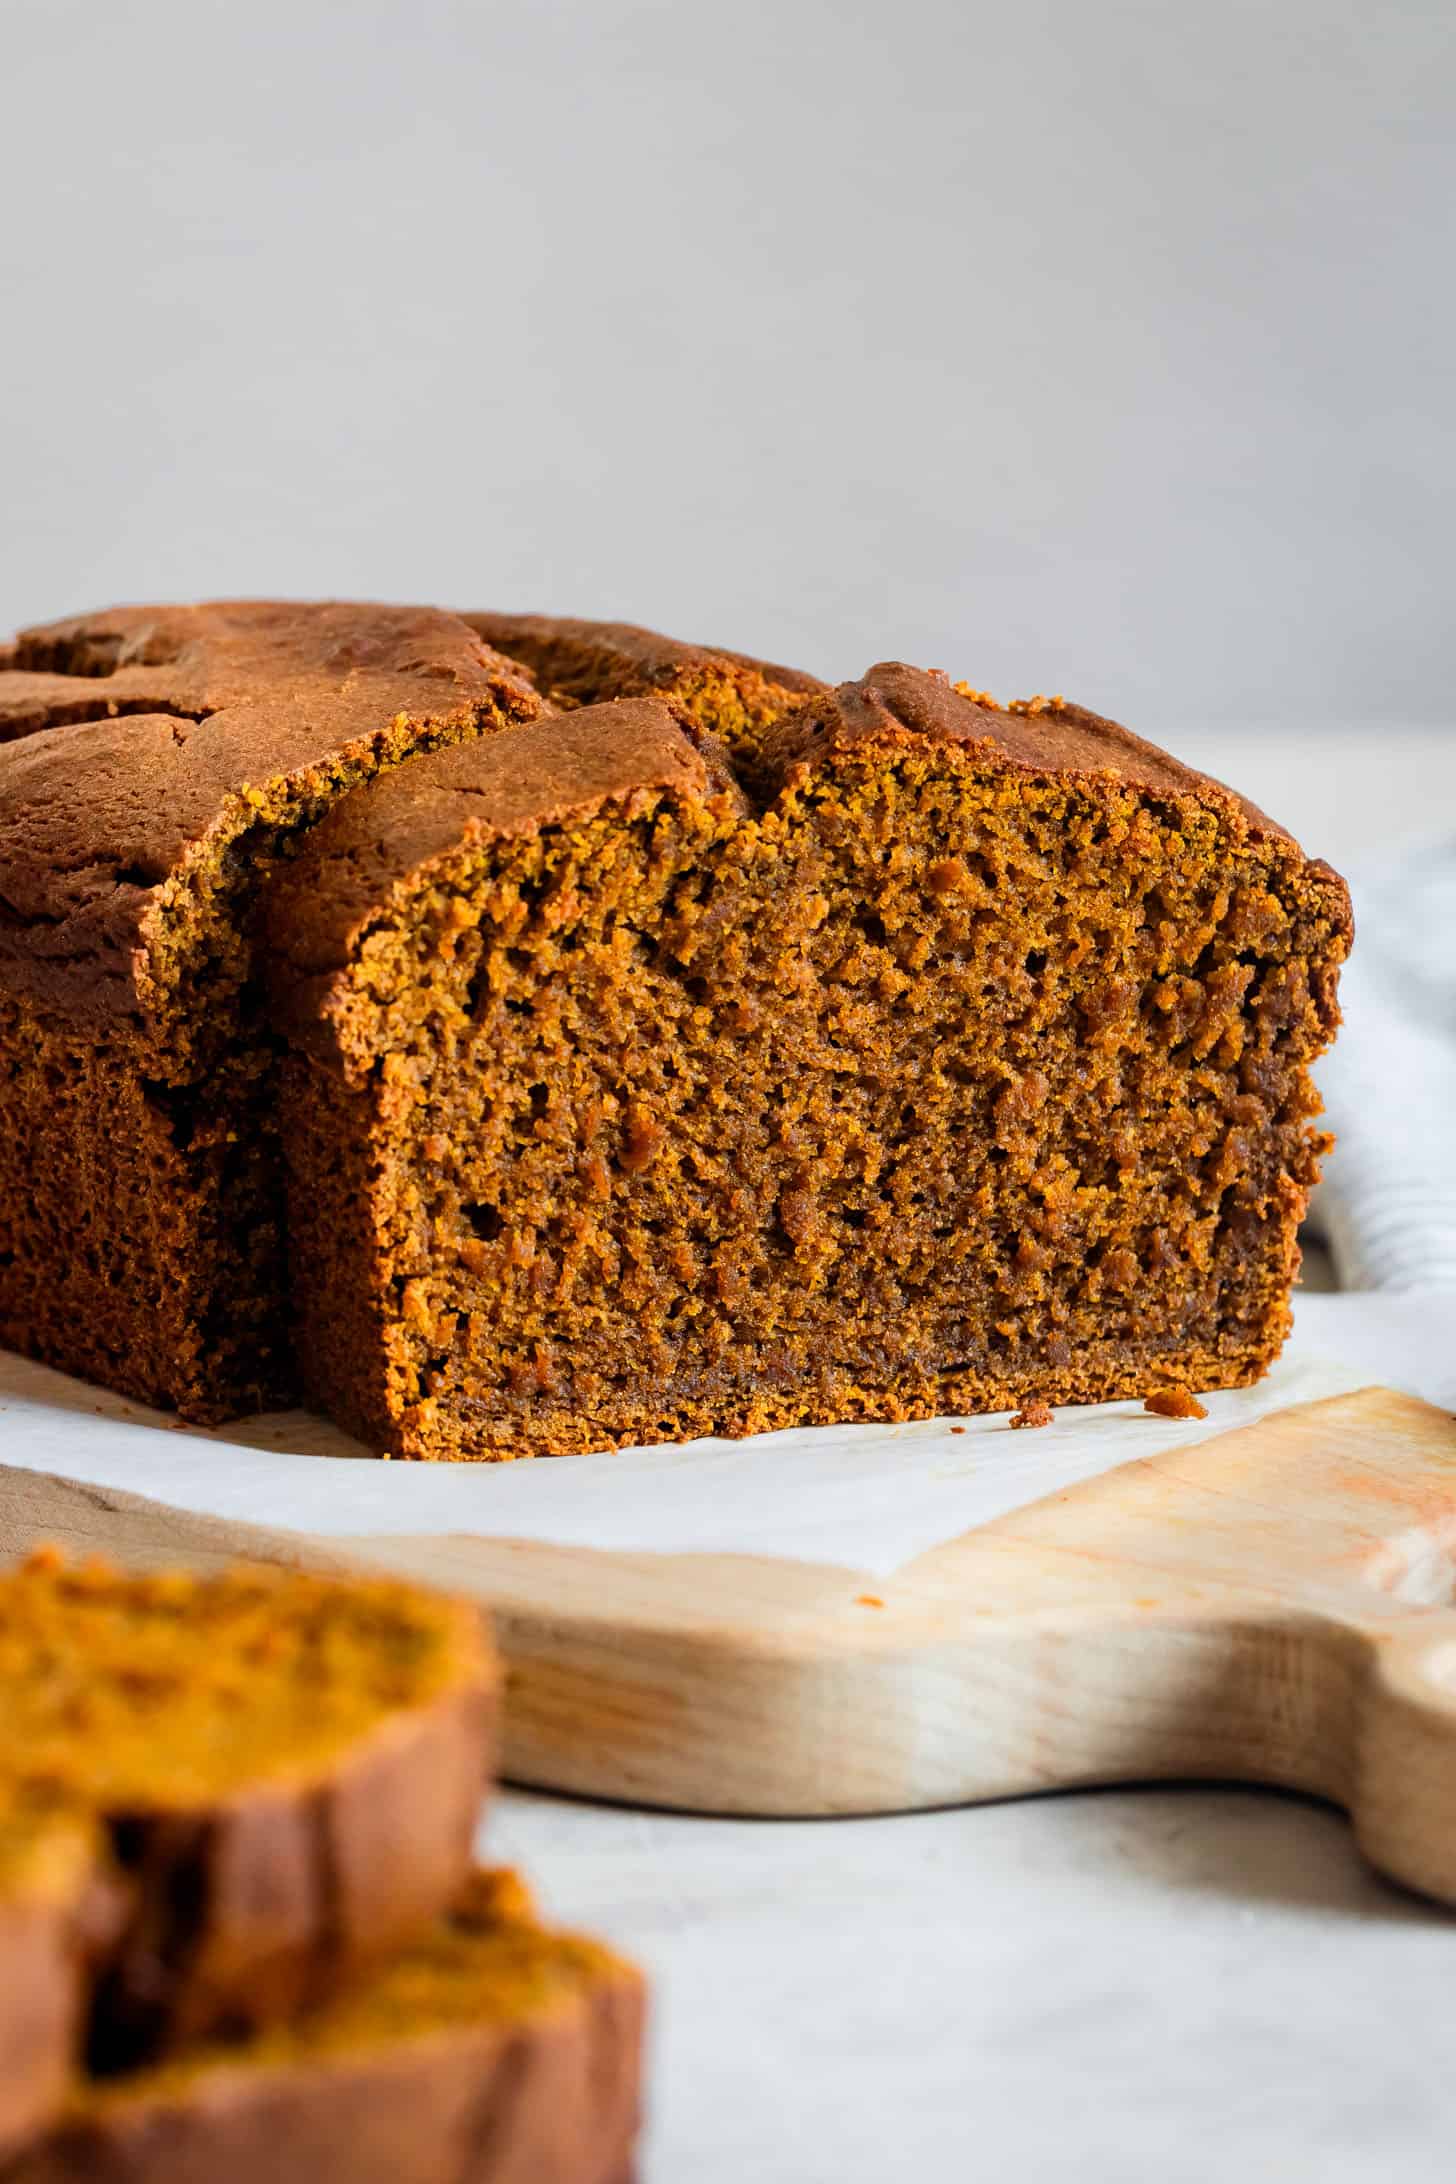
(1088, 345)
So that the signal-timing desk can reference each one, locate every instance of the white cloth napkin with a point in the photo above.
(1387, 1207)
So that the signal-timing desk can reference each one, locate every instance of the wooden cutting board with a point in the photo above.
(1274, 1605)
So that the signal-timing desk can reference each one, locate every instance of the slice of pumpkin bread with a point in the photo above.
(492, 2051)
(218, 1798)
(156, 766)
(965, 1064)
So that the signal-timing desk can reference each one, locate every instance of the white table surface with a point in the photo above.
(1182, 1985)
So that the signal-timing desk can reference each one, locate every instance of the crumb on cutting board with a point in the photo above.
(1035, 1413)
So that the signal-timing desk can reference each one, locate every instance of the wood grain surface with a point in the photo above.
(1274, 1605)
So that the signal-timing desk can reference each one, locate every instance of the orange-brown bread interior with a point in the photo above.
(951, 1058)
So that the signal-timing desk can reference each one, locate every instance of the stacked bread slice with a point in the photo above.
(241, 1934)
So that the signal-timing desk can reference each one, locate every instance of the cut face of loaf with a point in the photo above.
(218, 1799)
(492, 2051)
(968, 1066)
(156, 767)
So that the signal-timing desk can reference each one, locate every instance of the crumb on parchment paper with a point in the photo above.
(1035, 1413)
(1174, 1403)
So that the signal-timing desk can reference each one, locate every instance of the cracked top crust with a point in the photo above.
(128, 738)
(895, 703)
(133, 735)
(597, 660)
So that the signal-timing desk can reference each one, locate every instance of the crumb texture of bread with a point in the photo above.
(157, 766)
(221, 1796)
(490, 2051)
(954, 1059)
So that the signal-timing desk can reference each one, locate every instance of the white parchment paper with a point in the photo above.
(867, 1496)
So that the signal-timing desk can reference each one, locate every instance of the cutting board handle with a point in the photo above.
(1403, 1798)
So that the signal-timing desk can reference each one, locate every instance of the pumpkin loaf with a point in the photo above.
(156, 765)
(713, 1052)
(492, 2051)
(218, 1798)
(951, 1056)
